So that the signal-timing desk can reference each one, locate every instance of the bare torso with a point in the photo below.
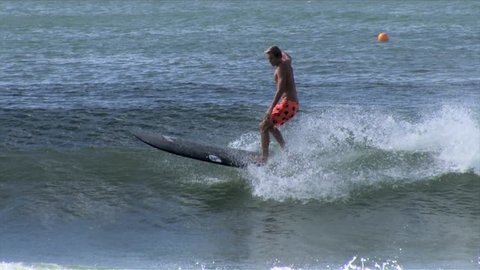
(289, 91)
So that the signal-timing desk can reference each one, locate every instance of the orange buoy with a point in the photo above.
(382, 37)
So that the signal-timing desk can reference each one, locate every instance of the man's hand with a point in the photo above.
(268, 114)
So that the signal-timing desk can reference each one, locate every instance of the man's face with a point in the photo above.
(272, 59)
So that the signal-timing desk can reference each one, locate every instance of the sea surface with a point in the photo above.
(382, 169)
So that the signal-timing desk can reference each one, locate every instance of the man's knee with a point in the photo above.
(265, 126)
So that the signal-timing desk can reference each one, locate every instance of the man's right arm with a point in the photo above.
(281, 88)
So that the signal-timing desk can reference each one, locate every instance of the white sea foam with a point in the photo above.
(330, 154)
(370, 264)
(452, 135)
(22, 266)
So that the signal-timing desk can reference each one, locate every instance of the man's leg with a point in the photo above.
(278, 136)
(265, 127)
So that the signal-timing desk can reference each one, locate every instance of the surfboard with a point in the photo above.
(214, 154)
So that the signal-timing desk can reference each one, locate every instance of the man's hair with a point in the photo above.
(275, 51)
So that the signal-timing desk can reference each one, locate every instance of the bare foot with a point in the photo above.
(260, 160)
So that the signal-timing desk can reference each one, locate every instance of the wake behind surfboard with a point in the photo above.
(214, 154)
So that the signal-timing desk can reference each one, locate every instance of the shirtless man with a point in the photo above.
(285, 102)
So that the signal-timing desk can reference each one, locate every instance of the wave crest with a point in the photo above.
(331, 154)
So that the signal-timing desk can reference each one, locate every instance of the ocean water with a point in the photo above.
(383, 163)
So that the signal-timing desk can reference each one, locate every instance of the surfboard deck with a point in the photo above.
(214, 154)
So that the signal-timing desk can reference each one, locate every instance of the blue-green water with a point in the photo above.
(383, 162)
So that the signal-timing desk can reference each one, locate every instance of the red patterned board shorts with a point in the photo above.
(283, 112)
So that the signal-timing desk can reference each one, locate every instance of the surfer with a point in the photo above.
(285, 102)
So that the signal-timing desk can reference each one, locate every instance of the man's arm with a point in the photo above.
(286, 58)
(281, 88)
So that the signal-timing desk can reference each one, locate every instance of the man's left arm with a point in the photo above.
(286, 58)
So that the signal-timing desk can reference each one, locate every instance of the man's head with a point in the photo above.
(274, 55)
